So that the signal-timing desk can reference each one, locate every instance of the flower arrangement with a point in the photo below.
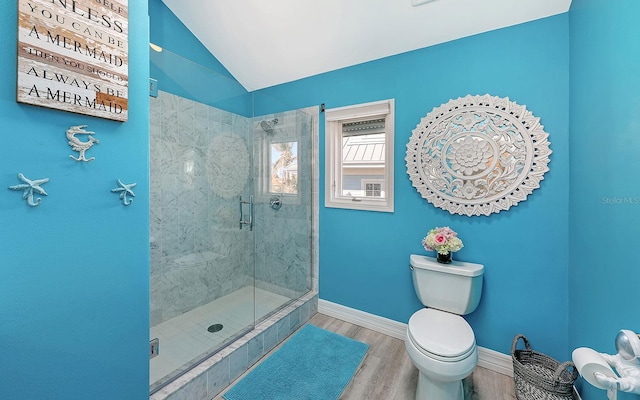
(443, 240)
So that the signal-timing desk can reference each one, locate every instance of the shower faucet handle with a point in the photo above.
(275, 202)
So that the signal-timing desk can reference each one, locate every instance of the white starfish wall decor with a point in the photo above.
(28, 187)
(124, 190)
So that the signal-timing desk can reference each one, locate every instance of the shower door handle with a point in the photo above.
(242, 220)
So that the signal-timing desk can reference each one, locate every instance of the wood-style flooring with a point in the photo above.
(386, 373)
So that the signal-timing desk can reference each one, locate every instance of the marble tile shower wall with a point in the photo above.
(283, 237)
(197, 252)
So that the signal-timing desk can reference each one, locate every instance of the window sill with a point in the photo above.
(360, 204)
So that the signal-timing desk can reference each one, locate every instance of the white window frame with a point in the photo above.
(334, 118)
(267, 190)
(263, 160)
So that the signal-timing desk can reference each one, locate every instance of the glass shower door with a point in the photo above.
(283, 186)
(202, 269)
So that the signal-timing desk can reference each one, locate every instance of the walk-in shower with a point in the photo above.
(223, 258)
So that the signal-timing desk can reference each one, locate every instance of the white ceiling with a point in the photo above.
(268, 42)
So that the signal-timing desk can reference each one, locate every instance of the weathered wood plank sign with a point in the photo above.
(73, 56)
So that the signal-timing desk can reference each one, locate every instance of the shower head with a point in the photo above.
(268, 126)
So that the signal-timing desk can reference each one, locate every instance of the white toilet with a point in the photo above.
(440, 343)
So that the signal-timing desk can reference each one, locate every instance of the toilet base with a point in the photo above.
(429, 389)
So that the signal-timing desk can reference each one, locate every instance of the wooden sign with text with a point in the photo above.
(73, 56)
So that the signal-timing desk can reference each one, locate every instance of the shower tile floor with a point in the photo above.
(185, 337)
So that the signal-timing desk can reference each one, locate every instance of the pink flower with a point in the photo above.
(448, 232)
(440, 238)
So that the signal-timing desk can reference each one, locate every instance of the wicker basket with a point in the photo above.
(540, 377)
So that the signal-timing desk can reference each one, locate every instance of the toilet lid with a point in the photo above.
(441, 333)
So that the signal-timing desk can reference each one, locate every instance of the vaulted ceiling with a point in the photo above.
(268, 42)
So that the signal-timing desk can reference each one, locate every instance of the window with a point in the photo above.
(284, 168)
(359, 156)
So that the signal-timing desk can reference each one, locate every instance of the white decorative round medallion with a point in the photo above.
(477, 155)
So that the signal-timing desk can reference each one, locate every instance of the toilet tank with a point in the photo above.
(454, 287)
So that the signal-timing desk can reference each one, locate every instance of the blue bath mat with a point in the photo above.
(314, 364)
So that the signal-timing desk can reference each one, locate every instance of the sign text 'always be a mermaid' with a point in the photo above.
(73, 56)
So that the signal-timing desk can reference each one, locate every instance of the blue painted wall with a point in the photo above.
(186, 68)
(604, 183)
(167, 31)
(364, 255)
(74, 271)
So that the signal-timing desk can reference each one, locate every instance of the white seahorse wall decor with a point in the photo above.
(78, 145)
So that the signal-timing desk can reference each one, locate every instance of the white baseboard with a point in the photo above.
(383, 325)
(495, 361)
(487, 358)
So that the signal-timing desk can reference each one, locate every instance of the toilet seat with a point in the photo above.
(441, 335)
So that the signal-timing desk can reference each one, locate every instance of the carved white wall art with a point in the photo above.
(78, 145)
(477, 155)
